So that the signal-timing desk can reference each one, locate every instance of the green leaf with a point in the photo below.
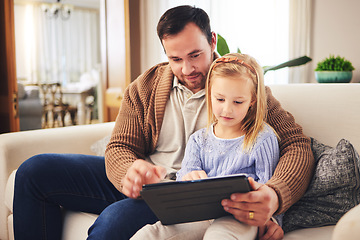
(222, 47)
(292, 63)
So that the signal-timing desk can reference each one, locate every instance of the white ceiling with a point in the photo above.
(83, 3)
(78, 3)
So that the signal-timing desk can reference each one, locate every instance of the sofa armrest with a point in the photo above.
(16, 147)
(348, 226)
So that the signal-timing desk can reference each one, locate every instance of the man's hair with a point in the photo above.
(175, 19)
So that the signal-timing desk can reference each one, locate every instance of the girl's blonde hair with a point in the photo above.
(234, 65)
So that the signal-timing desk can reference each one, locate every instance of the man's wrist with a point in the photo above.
(274, 200)
(283, 194)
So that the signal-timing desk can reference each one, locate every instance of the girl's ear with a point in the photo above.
(252, 103)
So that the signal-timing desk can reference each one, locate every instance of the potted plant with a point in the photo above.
(334, 70)
(222, 48)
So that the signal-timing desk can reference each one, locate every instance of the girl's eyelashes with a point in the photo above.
(222, 100)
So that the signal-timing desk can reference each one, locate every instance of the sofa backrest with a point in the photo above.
(327, 112)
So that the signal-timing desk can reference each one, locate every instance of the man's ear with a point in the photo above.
(213, 41)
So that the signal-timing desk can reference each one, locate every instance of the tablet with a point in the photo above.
(189, 201)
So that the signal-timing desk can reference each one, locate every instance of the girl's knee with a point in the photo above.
(229, 228)
(149, 231)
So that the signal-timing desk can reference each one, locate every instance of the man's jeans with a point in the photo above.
(45, 182)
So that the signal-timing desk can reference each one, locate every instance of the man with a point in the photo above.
(160, 110)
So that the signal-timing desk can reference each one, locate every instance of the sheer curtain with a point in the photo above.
(260, 28)
(52, 49)
(300, 33)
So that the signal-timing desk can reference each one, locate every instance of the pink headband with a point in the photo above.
(234, 59)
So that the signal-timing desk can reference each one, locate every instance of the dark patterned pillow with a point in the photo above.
(333, 191)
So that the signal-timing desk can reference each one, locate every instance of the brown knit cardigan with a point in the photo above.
(138, 125)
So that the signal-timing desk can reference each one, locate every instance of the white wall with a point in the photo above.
(336, 31)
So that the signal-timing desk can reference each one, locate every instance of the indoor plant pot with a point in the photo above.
(333, 76)
(334, 70)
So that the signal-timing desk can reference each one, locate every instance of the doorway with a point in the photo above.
(58, 43)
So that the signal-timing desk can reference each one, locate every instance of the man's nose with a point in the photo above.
(187, 68)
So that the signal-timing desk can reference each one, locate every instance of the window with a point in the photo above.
(259, 28)
(54, 50)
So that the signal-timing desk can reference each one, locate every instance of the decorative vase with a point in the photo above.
(333, 76)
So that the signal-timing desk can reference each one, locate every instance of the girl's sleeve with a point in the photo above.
(192, 159)
(266, 155)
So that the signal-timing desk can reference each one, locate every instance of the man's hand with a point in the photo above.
(194, 175)
(254, 208)
(141, 172)
(270, 231)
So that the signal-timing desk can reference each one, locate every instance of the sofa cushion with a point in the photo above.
(21, 90)
(348, 226)
(32, 92)
(320, 233)
(77, 224)
(333, 191)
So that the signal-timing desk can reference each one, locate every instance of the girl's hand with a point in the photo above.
(270, 231)
(194, 175)
(141, 172)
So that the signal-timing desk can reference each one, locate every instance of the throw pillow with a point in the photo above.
(99, 146)
(333, 191)
(21, 91)
(32, 92)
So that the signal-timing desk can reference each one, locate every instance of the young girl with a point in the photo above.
(237, 140)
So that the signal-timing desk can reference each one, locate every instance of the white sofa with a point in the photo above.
(30, 107)
(327, 112)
